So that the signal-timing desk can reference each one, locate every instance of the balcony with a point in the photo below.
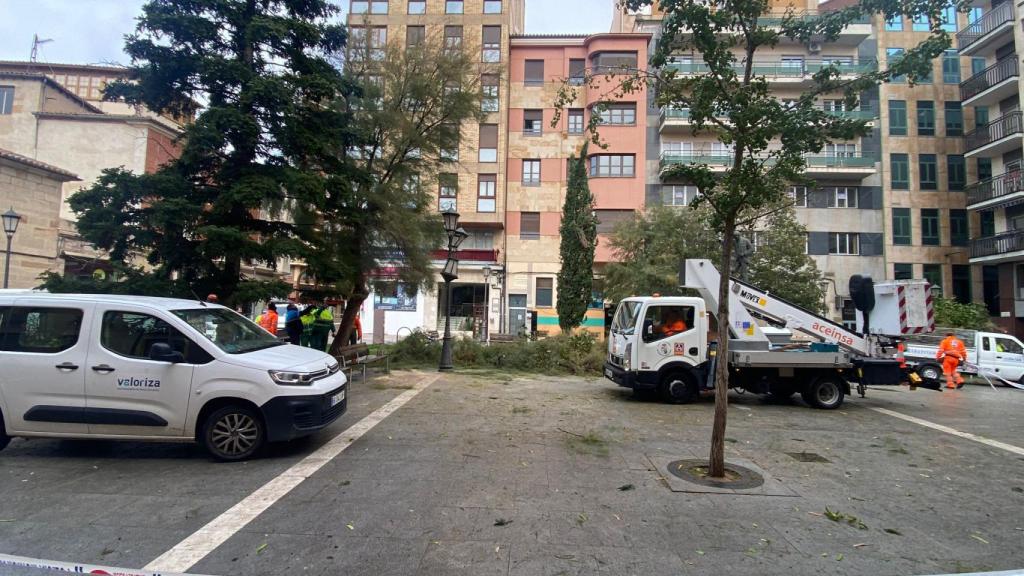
(997, 191)
(794, 72)
(987, 33)
(999, 136)
(1003, 247)
(992, 84)
(468, 255)
(836, 164)
(678, 119)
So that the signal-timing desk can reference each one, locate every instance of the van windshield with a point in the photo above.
(624, 321)
(231, 332)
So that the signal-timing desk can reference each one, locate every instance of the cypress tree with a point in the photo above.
(579, 239)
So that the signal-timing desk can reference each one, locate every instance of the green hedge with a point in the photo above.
(579, 354)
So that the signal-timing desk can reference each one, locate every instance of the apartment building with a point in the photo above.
(475, 186)
(538, 160)
(843, 210)
(992, 147)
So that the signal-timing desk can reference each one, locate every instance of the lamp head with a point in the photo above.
(487, 271)
(458, 236)
(451, 270)
(451, 220)
(11, 219)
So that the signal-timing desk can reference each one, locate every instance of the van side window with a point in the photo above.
(1008, 346)
(132, 334)
(40, 330)
(986, 344)
(664, 321)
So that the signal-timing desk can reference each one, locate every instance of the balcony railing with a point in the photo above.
(1005, 125)
(995, 187)
(782, 69)
(864, 113)
(725, 158)
(776, 19)
(1004, 243)
(468, 255)
(989, 77)
(988, 22)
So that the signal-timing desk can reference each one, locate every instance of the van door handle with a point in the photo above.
(67, 366)
(103, 369)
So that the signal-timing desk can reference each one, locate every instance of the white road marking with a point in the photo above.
(25, 562)
(987, 441)
(191, 550)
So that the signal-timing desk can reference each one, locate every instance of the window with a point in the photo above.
(576, 121)
(949, 18)
(6, 99)
(893, 55)
(534, 73)
(925, 118)
(529, 225)
(374, 7)
(930, 227)
(902, 271)
(373, 44)
(132, 334)
(612, 165)
(933, 274)
(987, 223)
(956, 171)
(489, 87)
(842, 196)
(901, 226)
(897, 117)
(664, 321)
(417, 6)
(920, 23)
(492, 6)
(984, 169)
(623, 114)
(958, 232)
(453, 7)
(414, 36)
(41, 330)
(798, 194)
(954, 119)
(577, 71)
(544, 296)
(950, 67)
(675, 195)
(531, 172)
(487, 185)
(844, 243)
(451, 154)
(607, 220)
(978, 66)
(895, 24)
(835, 150)
(448, 192)
(980, 116)
(899, 169)
(533, 121)
(614, 61)
(488, 143)
(926, 164)
(491, 44)
(453, 38)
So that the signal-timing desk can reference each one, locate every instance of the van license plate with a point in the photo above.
(608, 373)
(337, 398)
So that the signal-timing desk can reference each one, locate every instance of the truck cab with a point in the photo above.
(659, 344)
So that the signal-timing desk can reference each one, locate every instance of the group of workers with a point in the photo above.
(309, 327)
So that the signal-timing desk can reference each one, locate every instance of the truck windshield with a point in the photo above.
(624, 321)
(231, 332)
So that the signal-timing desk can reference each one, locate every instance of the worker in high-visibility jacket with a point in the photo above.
(306, 317)
(952, 352)
(323, 324)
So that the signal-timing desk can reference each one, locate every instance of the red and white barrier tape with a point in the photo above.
(75, 568)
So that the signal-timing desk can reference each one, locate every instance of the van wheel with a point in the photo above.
(233, 433)
(930, 372)
(825, 393)
(678, 388)
(4, 438)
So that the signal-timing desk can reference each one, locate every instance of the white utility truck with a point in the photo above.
(988, 354)
(662, 343)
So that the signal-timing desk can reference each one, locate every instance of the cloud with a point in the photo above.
(82, 32)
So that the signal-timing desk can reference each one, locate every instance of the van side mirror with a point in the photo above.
(162, 352)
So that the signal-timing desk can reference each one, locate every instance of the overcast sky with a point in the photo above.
(92, 31)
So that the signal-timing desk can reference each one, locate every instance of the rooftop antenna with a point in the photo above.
(36, 43)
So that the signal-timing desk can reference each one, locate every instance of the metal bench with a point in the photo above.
(358, 356)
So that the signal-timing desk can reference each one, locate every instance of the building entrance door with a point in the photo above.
(517, 314)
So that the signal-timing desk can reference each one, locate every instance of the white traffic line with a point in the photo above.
(54, 565)
(987, 441)
(191, 550)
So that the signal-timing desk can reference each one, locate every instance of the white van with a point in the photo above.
(138, 368)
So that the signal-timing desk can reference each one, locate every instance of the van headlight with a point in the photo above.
(286, 378)
(627, 357)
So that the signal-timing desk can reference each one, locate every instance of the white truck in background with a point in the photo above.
(988, 354)
(645, 355)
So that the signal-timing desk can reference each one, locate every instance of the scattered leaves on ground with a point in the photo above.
(261, 548)
(837, 516)
(626, 487)
(892, 531)
(502, 522)
(979, 538)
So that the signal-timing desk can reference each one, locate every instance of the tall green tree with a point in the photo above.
(408, 111)
(767, 139)
(780, 263)
(579, 240)
(256, 73)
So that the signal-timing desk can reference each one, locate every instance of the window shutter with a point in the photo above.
(534, 71)
(488, 135)
(492, 34)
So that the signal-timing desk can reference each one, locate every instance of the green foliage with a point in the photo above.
(952, 314)
(781, 266)
(578, 242)
(259, 70)
(579, 354)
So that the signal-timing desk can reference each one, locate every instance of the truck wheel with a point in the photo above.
(233, 433)
(678, 388)
(929, 372)
(825, 393)
(4, 438)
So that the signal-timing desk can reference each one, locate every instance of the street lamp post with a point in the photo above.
(11, 219)
(450, 272)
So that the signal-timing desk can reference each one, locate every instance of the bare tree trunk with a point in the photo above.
(716, 468)
(348, 317)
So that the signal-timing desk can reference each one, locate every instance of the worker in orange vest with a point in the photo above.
(952, 352)
(268, 320)
(673, 323)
